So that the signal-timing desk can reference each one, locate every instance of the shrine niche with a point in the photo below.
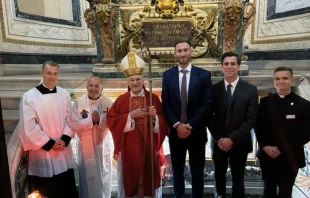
(160, 30)
(211, 27)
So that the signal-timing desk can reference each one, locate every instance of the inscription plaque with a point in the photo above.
(166, 33)
(285, 8)
(289, 5)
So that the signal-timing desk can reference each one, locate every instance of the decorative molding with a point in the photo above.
(37, 43)
(255, 27)
(76, 11)
(32, 58)
(296, 54)
(271, 11)
(204, 29)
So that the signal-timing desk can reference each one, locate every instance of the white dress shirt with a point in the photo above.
(233, 85)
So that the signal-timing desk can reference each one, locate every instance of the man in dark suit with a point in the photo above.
(282, 130)
(186, 98)
(234, 115)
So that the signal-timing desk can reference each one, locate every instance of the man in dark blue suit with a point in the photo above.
(186, 98)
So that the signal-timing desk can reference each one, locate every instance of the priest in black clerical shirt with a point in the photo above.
(282, 130)
(45, 132)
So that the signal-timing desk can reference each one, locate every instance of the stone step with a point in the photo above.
(252, 189)
(30, 69)
(10, 103)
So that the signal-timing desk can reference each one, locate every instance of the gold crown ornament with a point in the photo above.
(132, 65)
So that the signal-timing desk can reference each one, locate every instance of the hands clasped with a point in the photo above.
(95, 116)
(59, 145)
(184, 130)
(225, 144)
(272, 151)
(141, 113)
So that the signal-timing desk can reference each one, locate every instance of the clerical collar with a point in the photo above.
(44, 90)
(94, 100)
(137, 95)
(284, 96)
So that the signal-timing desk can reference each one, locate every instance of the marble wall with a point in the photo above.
(44, 35)
(284, 33)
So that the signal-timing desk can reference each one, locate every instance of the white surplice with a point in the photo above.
(95, 147)
(43, 117)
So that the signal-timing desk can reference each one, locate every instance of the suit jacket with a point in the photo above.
(285, 125)
(199, 100)
(237, 119)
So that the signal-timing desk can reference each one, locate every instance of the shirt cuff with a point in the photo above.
(130, 124)
(176, 124)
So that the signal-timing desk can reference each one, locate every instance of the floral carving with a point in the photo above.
(204, 31)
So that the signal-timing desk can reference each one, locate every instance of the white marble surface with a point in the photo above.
(268, 31)
(48, 36)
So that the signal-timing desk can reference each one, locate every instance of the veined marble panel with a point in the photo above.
(24, 35)
(273, 44)
(278, 34)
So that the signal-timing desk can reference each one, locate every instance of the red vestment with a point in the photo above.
(135, 145)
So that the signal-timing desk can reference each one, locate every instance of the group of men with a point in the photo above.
(190, 105)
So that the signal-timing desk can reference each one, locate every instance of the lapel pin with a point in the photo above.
(292, 103)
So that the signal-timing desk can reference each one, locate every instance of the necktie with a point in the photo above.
(183, 118)
(228, 94)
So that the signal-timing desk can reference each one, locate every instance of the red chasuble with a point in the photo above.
(135, 145)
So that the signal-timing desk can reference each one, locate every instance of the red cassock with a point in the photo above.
(135, 145)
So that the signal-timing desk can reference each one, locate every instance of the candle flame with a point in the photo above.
(35, 194)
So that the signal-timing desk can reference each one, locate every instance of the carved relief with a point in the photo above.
(231, 12)
(204, 31)
(21, 174)
(249, 12)
(90, 19)
(130, 33)
(167, 8)
(106, 17)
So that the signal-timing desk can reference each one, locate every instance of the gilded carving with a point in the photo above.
(167, 8)
(90, 19)
(249, 12)
(106, 17)
(131, 32)
(204, 31)
(231, 13)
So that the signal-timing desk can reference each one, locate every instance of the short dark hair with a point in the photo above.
(284, 69)
(50, 63)
(185, 41)
(228, 54)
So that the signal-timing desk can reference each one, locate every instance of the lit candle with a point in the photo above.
(35, 194)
